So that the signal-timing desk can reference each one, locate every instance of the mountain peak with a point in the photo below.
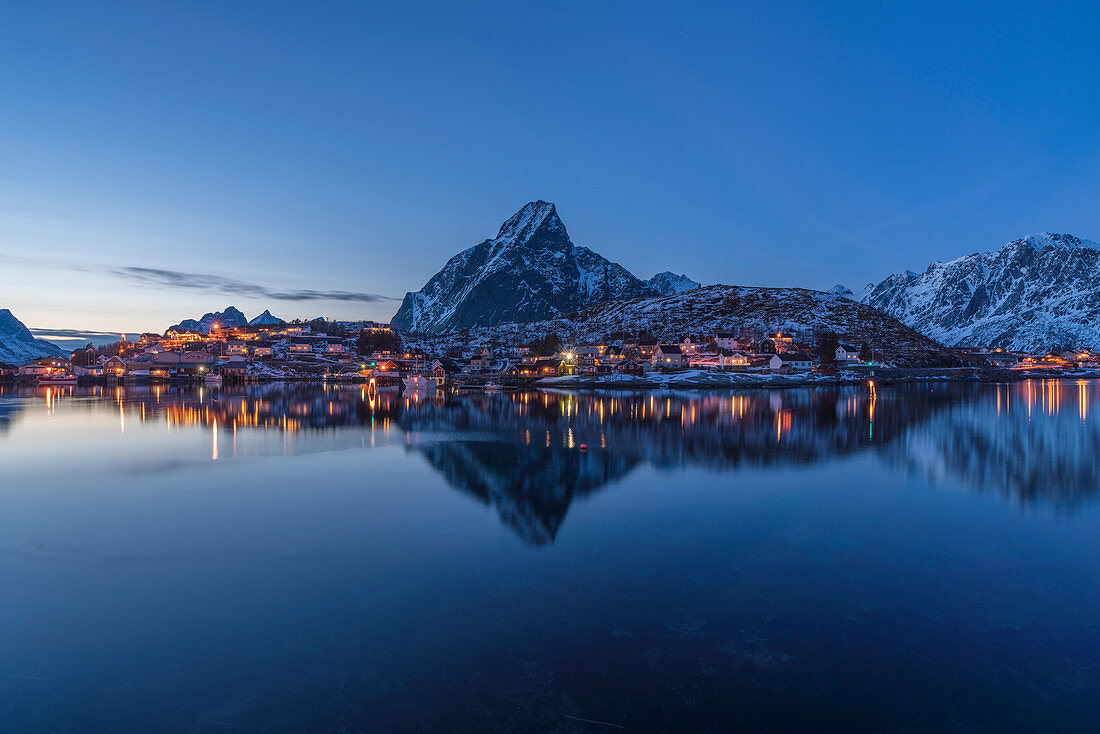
(534, 216)
(1041, 240)
(265, 319)
(530, 271)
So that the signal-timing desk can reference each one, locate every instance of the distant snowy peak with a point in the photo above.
(842, 290)
(1037, 293)
(668, 283)
(265, 319)
(18, 345)
(226, 319)
(529, 272)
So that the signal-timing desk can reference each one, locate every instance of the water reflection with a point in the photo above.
(530, 455)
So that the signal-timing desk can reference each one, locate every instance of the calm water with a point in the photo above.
(306, 559)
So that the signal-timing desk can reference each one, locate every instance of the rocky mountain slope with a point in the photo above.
(18, 345)
(529, 272)
(704, 311)
(1038, 293)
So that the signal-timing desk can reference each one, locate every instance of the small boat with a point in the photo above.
(417, 381)
(212, 379)
(63, 378)
(493, 387)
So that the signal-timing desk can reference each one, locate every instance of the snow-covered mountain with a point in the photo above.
(18, 345)
(669, 283)
(530, 271)
(1038, 293)
(265, 319)
(228, 318)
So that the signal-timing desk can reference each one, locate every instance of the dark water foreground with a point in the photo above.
(307, 560)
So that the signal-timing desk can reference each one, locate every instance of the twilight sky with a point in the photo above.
(314, 157)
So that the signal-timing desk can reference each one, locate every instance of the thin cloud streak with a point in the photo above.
(218, 283)
(75, 334)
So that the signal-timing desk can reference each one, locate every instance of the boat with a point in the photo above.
(417, 381)
(212, 379)
(493, 387)
(62, 378)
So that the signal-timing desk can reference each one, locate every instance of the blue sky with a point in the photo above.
(354, 147)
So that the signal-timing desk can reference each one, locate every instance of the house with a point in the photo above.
(479, 362)
(794, 361)
(847, 353)
(91, 370)
(263, 349)
(300, 345)
(114, 366)
(236, 348)
(1003, 359)
(551, 366)
(731, 360)
(612, 355)
(689, 346)
(443, 368)
(669, 356)
(629, 367)
(727, 340)
(646, 349)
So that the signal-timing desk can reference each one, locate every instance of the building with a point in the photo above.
(793, 361)
(731, 360)
(669, 357)
(727, 340)
(847, 353)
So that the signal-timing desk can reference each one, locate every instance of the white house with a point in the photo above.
(847, 353)
(729, 360)
(669, 356)
(727, 340)
(794, 361)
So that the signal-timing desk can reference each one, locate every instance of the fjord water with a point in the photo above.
(303, 558)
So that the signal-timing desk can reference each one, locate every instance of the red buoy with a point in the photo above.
(584, 447)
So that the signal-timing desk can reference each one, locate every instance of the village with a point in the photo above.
(366, 350)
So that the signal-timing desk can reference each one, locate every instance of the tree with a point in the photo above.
(371, 341)
(546, 346)
(827, 344)
(865, 353)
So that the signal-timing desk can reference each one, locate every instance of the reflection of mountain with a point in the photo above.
(1036, 442)
(531, 487)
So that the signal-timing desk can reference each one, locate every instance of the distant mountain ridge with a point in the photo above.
(1037, 293)
(530, 271)
(669, 283)
(18, 345)
(228, 318)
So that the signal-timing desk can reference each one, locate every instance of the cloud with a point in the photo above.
(220, 284)
(90, 336)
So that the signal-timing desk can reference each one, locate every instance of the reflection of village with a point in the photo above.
(530, 454)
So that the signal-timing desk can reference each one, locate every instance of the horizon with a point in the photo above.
(163, 162)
